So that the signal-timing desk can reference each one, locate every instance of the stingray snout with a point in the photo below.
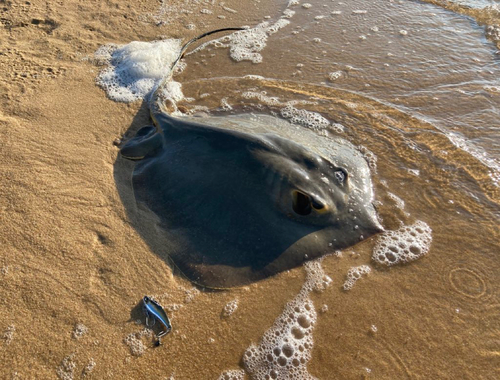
(371, 225)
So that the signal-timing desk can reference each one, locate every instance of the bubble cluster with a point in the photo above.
(286, 347)
(232, 375)
(369, 156)
(191, 295)
(404, 245)
(492, 32)
(133, 70)
(306, 5)
(80, 330)
(246, 45)
(8, 335)
(262, 97)
(134, 341)
(89, 367)
(337, 128)
(354, 274)
(335, 75)
(225, 105)
(66, 370)
(305, 118)
(230, 308)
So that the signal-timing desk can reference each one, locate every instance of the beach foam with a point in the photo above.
(354, 274)
(134, 70)
(246, 45)
(406, 244)
(286, 346)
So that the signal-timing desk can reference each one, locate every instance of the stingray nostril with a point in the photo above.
(301, 203)
(317, 205)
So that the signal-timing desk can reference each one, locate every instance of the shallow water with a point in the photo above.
(418, 86)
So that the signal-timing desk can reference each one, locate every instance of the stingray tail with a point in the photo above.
(154, 104)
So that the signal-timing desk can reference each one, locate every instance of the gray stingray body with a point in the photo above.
(240, 198)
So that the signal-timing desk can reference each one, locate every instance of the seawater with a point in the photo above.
(416, 86)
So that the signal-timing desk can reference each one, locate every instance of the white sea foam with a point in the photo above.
(246, 45)
(230, 308)
(354, 274)
(286, 347)
(133, 70)
(335, 75)
(305, 118)
(66, 369)
(8, 335)
(79, 330)
(406, 244)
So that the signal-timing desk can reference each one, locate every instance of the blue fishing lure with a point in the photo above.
(154, 312)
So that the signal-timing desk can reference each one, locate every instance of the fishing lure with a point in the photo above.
(154, 311)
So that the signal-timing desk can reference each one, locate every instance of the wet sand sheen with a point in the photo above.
(70, 255)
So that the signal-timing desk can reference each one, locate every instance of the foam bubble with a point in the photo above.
(286, 347)
(134, 341)
(89, 367)
(492, 32)
(246, 45)
(354, 274)
(191, 295)
(305, 118)
(232, 375)
(133, 70)
(406, 244)
(79, 330)
(335, 75)
(8, 335)
(306, 5)
(225, 105)
(288, 13)
(230, 308)
(66, 370)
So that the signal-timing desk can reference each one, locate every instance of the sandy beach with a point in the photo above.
(73, 269)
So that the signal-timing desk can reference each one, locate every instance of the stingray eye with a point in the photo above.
(301, 203)
(341, 176)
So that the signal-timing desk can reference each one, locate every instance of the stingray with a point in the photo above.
(243, 197)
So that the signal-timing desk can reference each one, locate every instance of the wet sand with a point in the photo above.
(70, 254)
